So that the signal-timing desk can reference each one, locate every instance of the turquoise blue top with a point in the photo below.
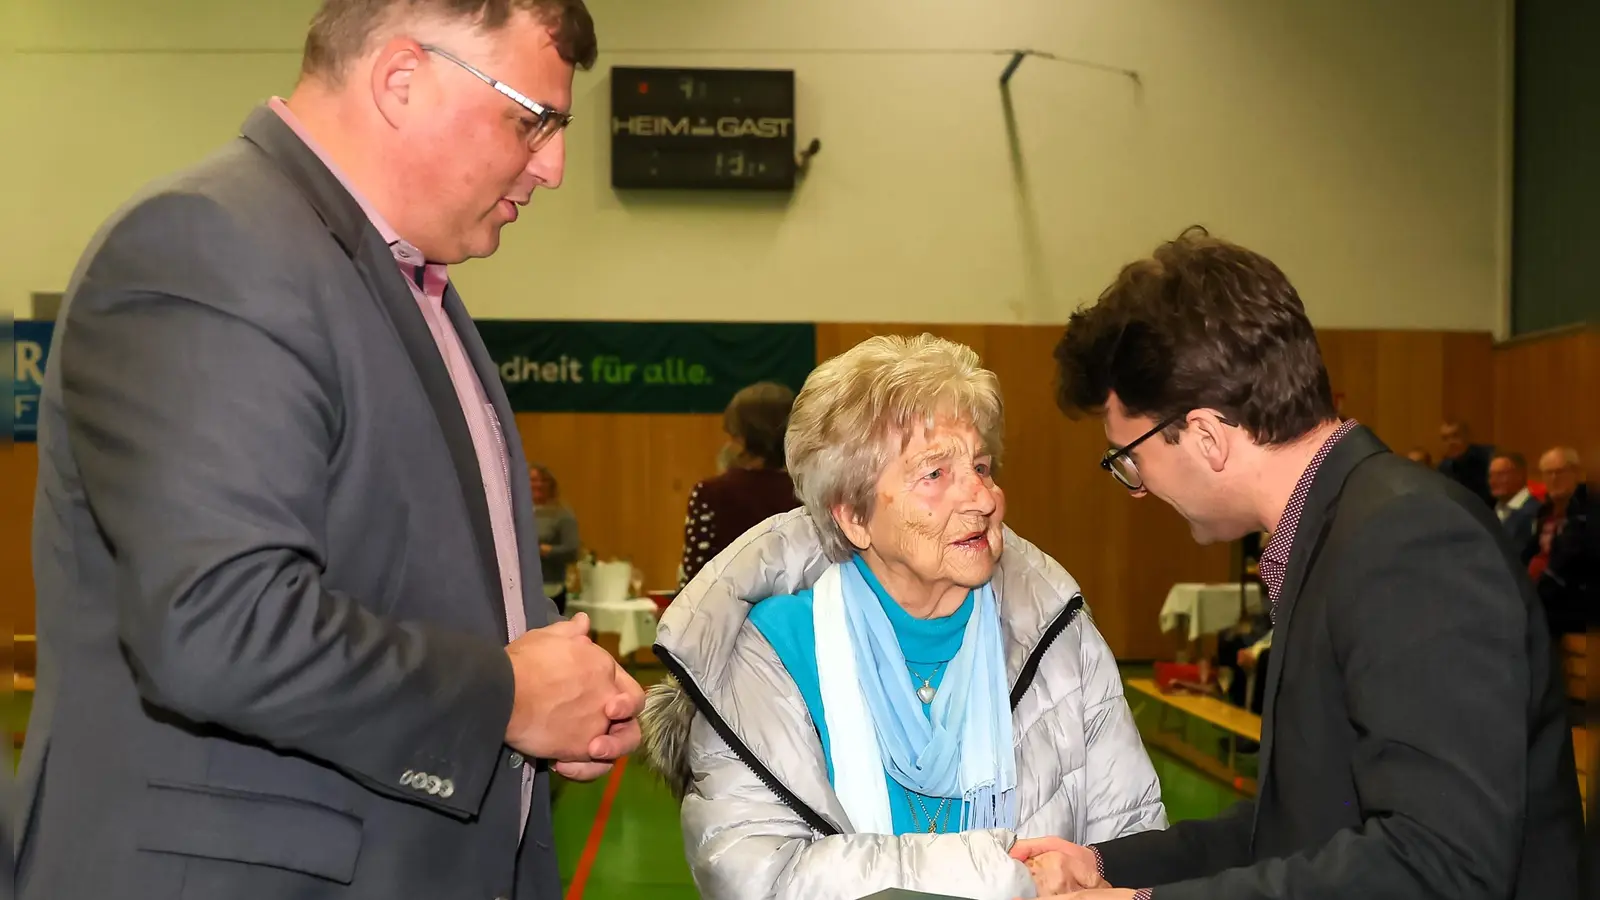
(928, 645)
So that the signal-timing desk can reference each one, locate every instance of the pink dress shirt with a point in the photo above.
(428, 281)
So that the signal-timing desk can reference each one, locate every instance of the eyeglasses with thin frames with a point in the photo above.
(1119, 460)
(548, 120)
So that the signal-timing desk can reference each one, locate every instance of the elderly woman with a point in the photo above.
(888, 688)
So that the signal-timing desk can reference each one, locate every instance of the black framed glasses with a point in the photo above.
(548, 120)
(1119, 461)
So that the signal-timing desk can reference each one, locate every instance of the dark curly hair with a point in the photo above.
(1200, 324)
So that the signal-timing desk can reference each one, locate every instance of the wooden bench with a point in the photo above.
(1575, 665)
(1580, 749)
(1237, 723)
(1575, 669)
(23, 662)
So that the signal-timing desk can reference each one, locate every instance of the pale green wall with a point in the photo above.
(1359, 142)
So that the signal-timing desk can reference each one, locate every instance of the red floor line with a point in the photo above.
(597, 833)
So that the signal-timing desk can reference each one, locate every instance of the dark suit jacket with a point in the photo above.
(1567, 584)
(1471, 470)
(267, 587)
(8, 844)
(1415, 740)
(1521, 524)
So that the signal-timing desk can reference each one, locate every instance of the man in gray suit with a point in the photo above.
(292, 636)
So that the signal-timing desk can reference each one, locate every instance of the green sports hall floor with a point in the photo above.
(618, 837)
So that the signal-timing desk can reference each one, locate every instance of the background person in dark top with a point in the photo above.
(755, 486)
(1465, 462)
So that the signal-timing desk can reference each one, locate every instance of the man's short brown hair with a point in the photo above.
(342, 29)
(1516, 459)
(1200, 324)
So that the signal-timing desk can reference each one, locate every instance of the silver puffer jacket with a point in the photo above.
(731, 734)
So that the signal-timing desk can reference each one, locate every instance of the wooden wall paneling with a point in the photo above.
(834, 338)
(628, 476)
(1546, 393)
(19, 472)
(1057, 497)
(1404, 384)
(1469, 381)
(1352, 361)
(1357, 363)
(1407, 387)
(627, 479)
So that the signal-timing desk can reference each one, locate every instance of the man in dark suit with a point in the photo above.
(1414, 738)
(1464, 462)
(1514, 503)
(292, 636)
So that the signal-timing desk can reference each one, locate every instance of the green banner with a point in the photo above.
(639, 367)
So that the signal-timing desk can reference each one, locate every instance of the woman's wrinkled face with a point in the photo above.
(938, 513)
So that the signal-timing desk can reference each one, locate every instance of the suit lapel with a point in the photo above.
(378, 270)
(1316, 519)
(384, 281)
(533, 599)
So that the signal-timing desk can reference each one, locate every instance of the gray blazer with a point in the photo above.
(267, 590)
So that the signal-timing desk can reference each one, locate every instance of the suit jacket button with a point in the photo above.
(446, 788)
(517, 760)
(406, 778)
(432, 785)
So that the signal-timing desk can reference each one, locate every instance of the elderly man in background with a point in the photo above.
(1560, 557)
(292, 637)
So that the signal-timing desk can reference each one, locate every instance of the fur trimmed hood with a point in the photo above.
(664, 747)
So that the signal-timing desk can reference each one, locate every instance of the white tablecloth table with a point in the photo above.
(1209, 608)
(633, 621)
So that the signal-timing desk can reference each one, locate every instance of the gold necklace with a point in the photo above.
(933, 820)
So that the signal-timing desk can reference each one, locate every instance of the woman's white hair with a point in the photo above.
(857, 411)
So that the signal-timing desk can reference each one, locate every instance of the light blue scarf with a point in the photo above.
(963, 746)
